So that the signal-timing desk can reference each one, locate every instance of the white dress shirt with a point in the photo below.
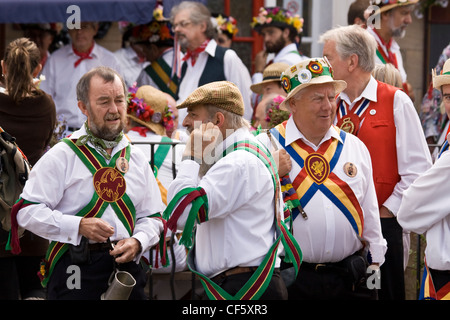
(62, 78)
(413, 155)
(425, 210)
(61, 185)
(327, 235)
(240, 192)
(130, 64)
(234, 69)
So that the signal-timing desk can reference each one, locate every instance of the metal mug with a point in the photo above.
(121, 283)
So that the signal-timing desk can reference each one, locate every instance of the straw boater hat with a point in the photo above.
(221, 94)
(443, 78)
(307, 73)
(149, 107)
(386, 5)
(272, 73)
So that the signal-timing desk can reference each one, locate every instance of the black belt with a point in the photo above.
(233, 271)
(323, 267)
(104, 246)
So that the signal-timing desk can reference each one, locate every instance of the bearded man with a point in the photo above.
(86, 196)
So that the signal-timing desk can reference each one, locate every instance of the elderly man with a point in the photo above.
(68, 64)
(335, 216)
(93, 194)
(204, 60)
(393, 17)
(231, 181)
(424, 210)
(385, 119)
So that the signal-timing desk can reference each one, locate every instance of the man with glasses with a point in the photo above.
(204, 61)
(67, 65)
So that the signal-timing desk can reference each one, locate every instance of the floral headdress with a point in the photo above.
(277, 17)
(386, 5)
(147, 115)
(227, 24)
(275, 115)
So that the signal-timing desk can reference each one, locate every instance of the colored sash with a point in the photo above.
(428, 291)
(317, 175)
(350, 120)
(443, 148)
(102, 198)
(258, 282)
(160, 72)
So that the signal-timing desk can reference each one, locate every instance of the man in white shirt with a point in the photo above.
(393, 17)
(68, 64)
(385, 119)
(425, 210)
(204, 60)
(280, 30)
(100, 189)
(330, 193)
(236, 232)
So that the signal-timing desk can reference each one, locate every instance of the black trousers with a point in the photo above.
(327, 284)
(94, 278)
(392, 270)
(275, 291)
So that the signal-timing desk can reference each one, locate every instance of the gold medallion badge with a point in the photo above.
(317, 167)
(109, 184)
(350, 169)
(122, 164)
(349, 124)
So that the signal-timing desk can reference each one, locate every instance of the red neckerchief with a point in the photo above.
(193, 54)
(141, 130)
(82, 55)
(392, 58)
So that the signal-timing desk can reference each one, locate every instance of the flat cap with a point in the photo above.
(221, 94)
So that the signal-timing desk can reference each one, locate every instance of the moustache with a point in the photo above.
(112, 116)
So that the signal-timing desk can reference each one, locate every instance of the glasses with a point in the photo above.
(182, 24)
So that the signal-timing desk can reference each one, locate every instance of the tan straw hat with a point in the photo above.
(272, 73)
(443, 78)
(306, 73)
(148, 107)
(386, 5)
(221, 94)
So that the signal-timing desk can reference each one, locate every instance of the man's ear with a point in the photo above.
(83, 108)
(219, 119)
(353, 62)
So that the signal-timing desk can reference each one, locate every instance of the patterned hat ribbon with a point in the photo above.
(313, 70)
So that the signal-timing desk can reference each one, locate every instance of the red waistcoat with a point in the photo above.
(379, 135)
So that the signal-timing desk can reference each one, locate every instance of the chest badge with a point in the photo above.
(109, 184)
(350, 169)
(317, 167)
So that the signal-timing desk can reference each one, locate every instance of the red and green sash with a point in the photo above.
(317, 175)
(110, 187)
(428, 291)
(261, 278)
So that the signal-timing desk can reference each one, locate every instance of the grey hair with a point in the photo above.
(199, 13)
(353, 39)
(233, 120)
(84, 84)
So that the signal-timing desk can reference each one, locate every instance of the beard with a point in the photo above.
(276, 46)
(103, 131)
(399, 32)
(182, 41)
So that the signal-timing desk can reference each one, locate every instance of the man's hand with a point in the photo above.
(260, 61)
(95, 229)
(386, 213)
(283, 162)
(126, 249)
(200, 138)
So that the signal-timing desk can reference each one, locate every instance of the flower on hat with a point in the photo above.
(315, 67)
(145, 112)
(276, 14)
(158, 13)
(275, 115)
(227, 24)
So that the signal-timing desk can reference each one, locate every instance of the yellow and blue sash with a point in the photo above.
(317, 175)
(428, 290)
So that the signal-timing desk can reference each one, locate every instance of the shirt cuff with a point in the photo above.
(70, 226)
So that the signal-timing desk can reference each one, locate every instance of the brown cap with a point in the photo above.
(272, 73)
(155, 100)
(221, 94)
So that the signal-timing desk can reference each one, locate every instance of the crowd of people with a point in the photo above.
(300, 181)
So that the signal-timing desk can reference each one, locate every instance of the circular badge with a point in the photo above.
(156, 117)
(373, 112)
(315, 67)
(109, 184)
(317, 167)
(304, 76)
(350, 169)
(349, 124)
(286, 83)
(122, 164)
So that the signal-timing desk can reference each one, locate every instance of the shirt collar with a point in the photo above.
(94, 52)
(211, 47)
(82, 131)
(289, 48)
(293, 134)
(369, 92)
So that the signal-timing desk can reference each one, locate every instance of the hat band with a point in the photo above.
(271, 78)
(446, 73)
(313, 70)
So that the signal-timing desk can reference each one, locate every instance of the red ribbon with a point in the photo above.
(193, 54)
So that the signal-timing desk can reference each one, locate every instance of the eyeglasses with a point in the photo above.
(182, 24)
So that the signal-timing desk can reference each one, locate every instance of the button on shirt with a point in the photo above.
(240, 193)
(413, 156)
(425, 210)
(62, 185)
(62, 78)
(327, 235)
